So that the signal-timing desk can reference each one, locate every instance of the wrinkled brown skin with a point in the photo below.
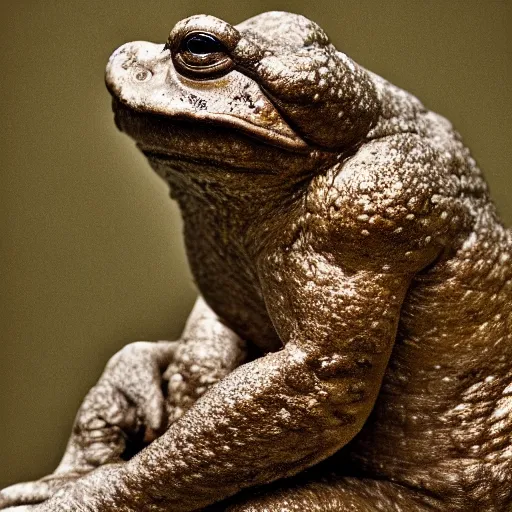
(344, 232)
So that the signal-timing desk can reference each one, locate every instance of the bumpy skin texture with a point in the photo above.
(344, 232)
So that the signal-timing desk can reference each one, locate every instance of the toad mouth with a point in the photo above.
(138, 121)
(123, 112)
(173, 159)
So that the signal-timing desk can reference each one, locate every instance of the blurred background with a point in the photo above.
(91, 248)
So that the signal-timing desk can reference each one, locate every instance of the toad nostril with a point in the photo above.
(142, 74)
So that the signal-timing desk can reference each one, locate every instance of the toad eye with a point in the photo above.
(201, 55)
(202, 44)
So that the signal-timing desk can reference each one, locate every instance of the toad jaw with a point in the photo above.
(142, 77)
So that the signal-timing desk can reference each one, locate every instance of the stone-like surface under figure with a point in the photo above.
(356, 286)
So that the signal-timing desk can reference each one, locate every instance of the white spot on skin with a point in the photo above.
(469, 242)
(312, 402)
(176, 378)
(503, 409)
(504, 257)
(259, 106)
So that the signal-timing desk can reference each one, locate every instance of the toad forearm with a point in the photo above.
(207, 352)
(296, 406)
(216, 448)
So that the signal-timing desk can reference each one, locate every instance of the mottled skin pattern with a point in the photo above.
(345, 234)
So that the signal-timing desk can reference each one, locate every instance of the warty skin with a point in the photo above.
(353, 329)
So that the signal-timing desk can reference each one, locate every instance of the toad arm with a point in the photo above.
(296, 406)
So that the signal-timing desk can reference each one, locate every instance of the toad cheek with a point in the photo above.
(142, 77)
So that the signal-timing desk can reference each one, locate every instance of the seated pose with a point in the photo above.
(351, 348)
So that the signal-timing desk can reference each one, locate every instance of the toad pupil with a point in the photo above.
(202, 44)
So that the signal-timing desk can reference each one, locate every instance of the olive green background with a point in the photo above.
(91, 251)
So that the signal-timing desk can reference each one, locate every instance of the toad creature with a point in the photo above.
(351, 349)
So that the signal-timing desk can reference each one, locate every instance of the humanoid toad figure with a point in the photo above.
(351, 348)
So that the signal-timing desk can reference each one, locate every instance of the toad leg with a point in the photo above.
(331, 492)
